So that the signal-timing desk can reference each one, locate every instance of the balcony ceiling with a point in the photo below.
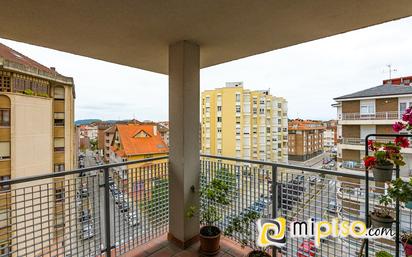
(137, 32)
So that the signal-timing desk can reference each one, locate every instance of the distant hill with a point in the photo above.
(86, 121)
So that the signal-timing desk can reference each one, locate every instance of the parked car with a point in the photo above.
(87, 231)
(83, 192)
(132, 218)
(332, 207)
(307, 249)
(123, 206)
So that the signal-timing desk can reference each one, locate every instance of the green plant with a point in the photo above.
(401, 190)
(406, 237)
(385, 154)
(28, 92)
(383, 254)
(215, 196)
(155, 204)
(384, 210)
(43, 94)
(242, 225)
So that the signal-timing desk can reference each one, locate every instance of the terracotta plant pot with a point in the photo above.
(209, 240)
(257, 253)
(408, 204)
(407, 247)
(381, 222)
(382, 173)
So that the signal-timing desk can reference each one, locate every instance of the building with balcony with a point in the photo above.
(370, 111)
(305, 139)
(244, 124)
(178, 39)
(36, 135)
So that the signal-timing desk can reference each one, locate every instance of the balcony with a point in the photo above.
(103, 213)
(375, 118)
(359, 143)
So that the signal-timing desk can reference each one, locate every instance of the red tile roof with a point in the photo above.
(132, 145)
(14, 56)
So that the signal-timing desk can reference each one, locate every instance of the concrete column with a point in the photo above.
(184, 167)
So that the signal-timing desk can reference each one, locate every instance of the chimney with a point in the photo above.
(155, 130)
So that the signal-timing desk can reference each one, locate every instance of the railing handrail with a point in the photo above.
(366, 116)
(296, 167)
(76, 171)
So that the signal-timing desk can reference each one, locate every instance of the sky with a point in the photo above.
(308, 75)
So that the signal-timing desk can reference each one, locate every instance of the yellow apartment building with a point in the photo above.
(36, 136)
(242, 123)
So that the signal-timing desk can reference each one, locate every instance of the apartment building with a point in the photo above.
(368, 111)
(36, 135)
(372, 110)
(243, 123)
(305, 139)
(330, 135)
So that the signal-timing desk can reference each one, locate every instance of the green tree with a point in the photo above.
(156, 204)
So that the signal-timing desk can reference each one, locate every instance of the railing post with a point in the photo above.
(274, 199)
(107, 212)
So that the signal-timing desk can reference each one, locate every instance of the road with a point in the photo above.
(121, 231)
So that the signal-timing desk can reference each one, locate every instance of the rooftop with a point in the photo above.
(382, 90)
(137, 139)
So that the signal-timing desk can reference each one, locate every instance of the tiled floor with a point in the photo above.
(161, 247)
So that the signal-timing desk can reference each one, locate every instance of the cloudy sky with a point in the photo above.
(308, 75)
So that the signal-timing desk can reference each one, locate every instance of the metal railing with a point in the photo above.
(393, 115)
(100, 211)
(297, 194)
(361, 141)
(81, 213)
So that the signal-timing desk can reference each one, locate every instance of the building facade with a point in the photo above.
(305, 139)
(330, 135)
(369, 111)
(37, 135)
(242, 123)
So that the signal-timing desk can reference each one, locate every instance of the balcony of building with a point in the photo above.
(359, 143)
(357, 118)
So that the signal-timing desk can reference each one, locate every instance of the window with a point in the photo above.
(219, 130)
(279, 105)
(219, 108)
(59, 144)
(59, 195)
(59, 93)
(219, 119)
(262, 111)
(237, 97)
(207, 99)
(367, 107)
(5, 81)
(4, 187)
(207, 109)
(59, 119)
(237, 108)
(4, 150)
(59, 167)
(5, 117)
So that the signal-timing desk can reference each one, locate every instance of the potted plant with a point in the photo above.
(383, 254)
(215, 196)
(385, 156)
(243, 225)
(406, 239)
(381, 217)
(402, 191)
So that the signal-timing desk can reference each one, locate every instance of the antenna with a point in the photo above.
(390, 70)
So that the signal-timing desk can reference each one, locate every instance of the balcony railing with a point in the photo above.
(89, 213)
(373, 116)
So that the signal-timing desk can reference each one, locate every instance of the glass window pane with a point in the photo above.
(5, 149)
